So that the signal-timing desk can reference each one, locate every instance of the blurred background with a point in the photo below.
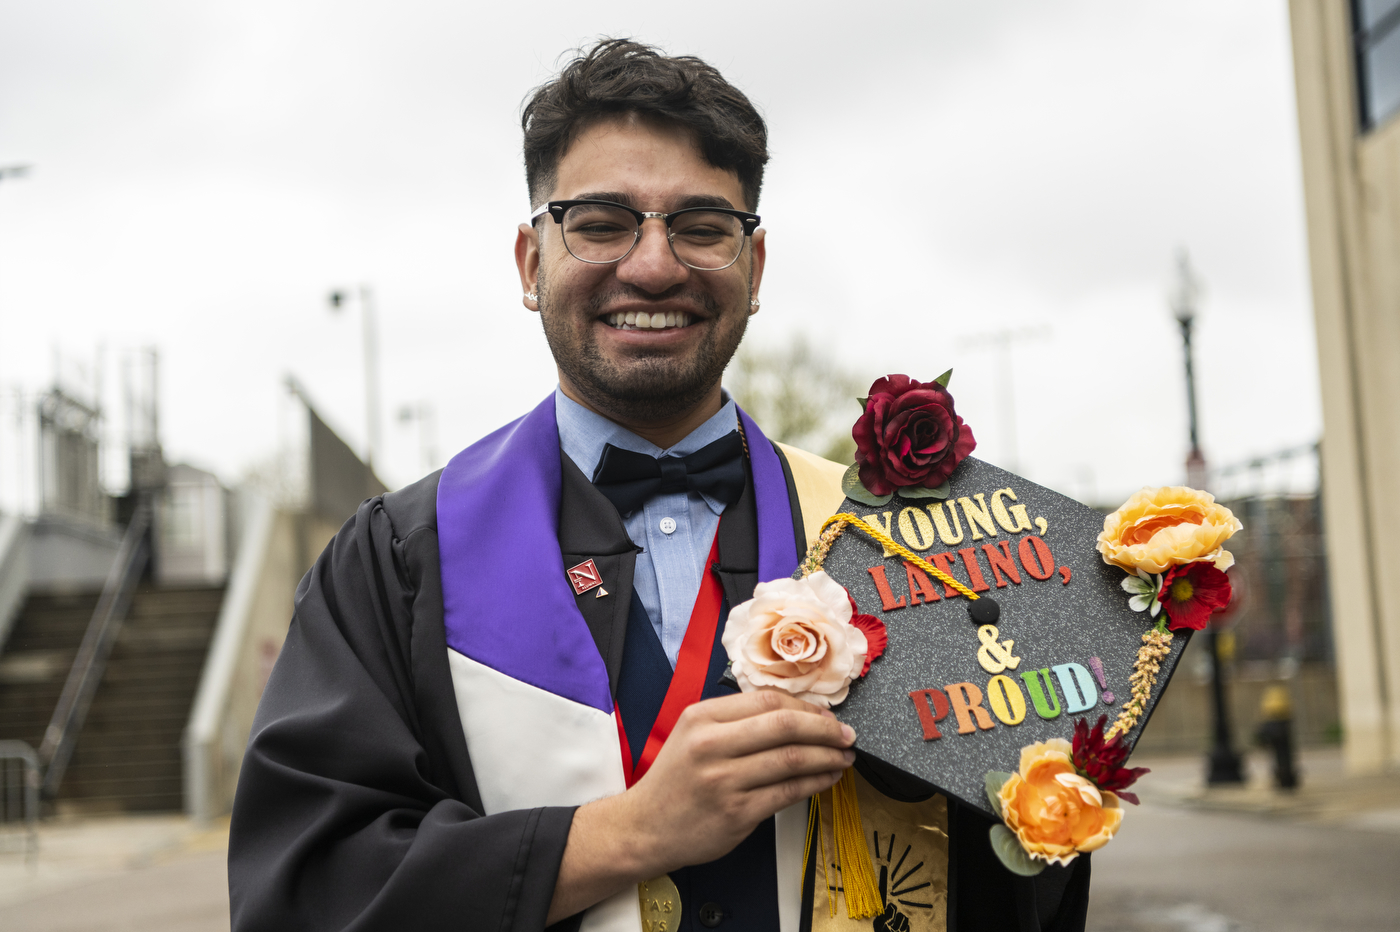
(255, 265)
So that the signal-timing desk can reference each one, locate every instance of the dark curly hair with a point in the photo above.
(618, 76)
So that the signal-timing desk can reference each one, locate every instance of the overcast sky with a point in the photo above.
(205, 172)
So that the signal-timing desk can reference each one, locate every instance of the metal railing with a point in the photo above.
(91, 661)
(19, 798)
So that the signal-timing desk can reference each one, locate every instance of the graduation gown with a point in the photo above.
(371, 794)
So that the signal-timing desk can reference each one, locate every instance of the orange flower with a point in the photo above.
(1055, 812)
(1157, 529)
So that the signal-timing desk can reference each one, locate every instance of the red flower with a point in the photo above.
(1191, 592)
(1101, 761)
(909, 435)
(875, 637)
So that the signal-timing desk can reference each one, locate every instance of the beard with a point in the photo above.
(642, 386)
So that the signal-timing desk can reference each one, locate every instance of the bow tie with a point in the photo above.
(629, 479)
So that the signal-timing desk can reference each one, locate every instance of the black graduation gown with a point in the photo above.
(357, 807)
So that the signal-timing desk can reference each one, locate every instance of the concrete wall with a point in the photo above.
(277, 548)
(1352, 193)
(14, 572)
(70, 554)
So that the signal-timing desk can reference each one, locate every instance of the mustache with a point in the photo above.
(598, 304)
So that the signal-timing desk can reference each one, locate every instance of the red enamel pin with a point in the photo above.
(585, 576)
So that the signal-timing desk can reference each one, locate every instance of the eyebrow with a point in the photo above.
(690, 200)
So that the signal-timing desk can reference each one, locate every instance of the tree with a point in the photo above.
(799, 396)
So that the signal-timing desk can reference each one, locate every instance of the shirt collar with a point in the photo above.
(584, 433)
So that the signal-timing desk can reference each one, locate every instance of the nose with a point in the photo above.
(651, 265)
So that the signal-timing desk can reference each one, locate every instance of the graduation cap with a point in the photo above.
(964, 684)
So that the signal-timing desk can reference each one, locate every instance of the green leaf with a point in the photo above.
(994, 781)
(918, 491)
(1011, 855)
(850, 484)
(862, 402)
(943, 379)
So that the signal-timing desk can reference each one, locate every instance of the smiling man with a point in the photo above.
(501, 702)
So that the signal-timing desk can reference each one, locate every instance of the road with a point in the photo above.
(1187, 860)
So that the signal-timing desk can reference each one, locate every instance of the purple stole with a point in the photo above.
(506, 600)
(531, 688)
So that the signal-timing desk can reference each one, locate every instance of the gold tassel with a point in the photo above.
(852, 855)
(814, 823)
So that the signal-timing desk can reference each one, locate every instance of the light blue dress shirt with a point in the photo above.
(671, 565)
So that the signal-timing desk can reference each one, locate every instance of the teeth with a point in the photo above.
(633, 320)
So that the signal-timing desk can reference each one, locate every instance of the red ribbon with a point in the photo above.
(688, 680)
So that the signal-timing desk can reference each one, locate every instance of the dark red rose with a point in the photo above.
(909, 435)
(1102, 761)
(1191, 592)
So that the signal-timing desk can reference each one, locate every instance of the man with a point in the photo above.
(500, 701)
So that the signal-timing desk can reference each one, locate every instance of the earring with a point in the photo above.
(753, 305)
(531, 296)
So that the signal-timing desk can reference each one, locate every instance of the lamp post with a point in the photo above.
(369, 337)
(1222, 764)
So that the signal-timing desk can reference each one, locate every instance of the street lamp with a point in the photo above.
(1222, 764)
(369, 337)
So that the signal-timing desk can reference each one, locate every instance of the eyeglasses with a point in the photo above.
(707, 239)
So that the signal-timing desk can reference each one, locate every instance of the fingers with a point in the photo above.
(777, 728)
(746, 705)
(793, 761)
(771, 799)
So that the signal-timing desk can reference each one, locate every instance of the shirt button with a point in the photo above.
(668, 525)
(711, 915)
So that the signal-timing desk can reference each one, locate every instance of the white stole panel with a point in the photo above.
(532, 748)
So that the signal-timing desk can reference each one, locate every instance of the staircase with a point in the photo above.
(128, 755)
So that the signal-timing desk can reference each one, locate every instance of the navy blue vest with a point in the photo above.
(742, 885)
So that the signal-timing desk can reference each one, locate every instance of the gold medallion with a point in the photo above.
(661, 904)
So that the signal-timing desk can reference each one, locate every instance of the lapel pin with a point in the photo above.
(585, 576)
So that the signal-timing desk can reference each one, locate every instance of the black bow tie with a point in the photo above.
(628, 479)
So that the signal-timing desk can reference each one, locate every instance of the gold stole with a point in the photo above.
(908, 842)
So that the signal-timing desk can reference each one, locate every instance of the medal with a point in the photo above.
(661, 904)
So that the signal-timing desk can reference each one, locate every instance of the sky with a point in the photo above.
(204, 173)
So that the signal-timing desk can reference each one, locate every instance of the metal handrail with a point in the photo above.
(19, 793)
(91, 661)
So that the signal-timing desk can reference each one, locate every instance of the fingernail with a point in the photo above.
(850, 757)
(848, 733)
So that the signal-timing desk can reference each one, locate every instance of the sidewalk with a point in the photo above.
(156, 873)
(1250, 858)
(1327, 794)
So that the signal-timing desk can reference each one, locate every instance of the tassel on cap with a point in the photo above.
(852, 856)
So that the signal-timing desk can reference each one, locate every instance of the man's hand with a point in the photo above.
(729, 764)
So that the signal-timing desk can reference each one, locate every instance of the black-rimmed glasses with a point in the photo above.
(707, 239)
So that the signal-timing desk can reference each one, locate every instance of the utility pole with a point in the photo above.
(426, 418)
(17, 171)
(1222, 764)
(1003, 340)
(369, 337)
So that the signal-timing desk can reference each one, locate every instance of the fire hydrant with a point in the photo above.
(1276, 733)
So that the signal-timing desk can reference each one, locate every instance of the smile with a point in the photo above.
(635, 320)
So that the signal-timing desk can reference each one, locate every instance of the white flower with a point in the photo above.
(796, 635)
(1144, 589)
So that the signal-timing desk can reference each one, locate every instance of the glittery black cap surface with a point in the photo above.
(1063, 618)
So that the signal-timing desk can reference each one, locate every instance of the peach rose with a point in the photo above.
(1055, 812)
(796, 635)
(1157, 529)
